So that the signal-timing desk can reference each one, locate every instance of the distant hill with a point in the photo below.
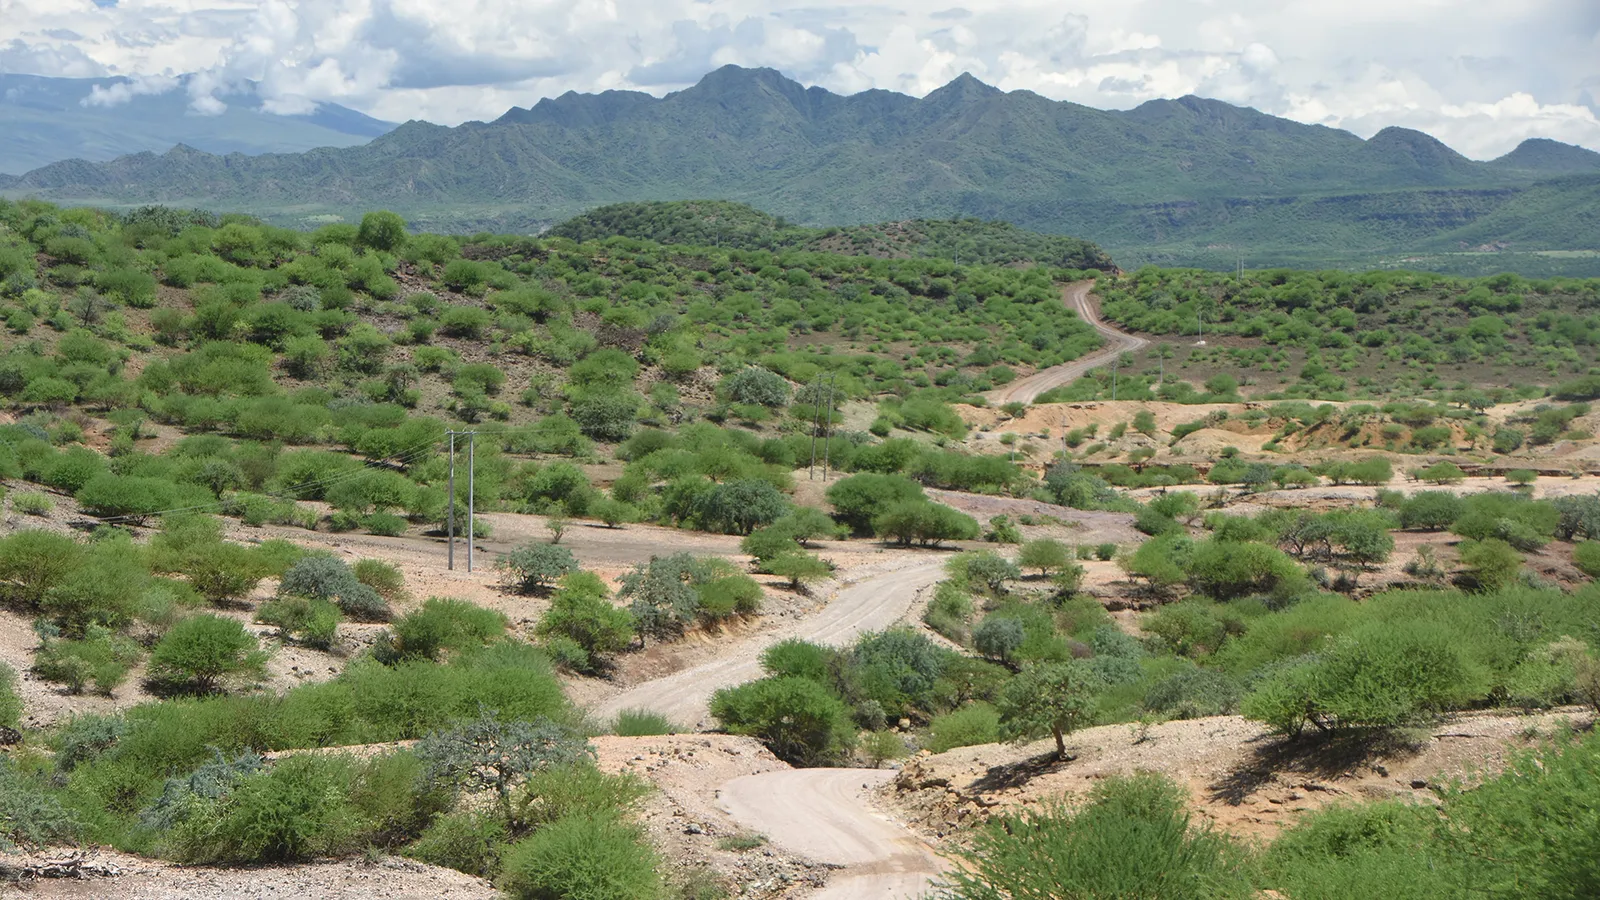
(1181, 181)
(45, 120)
(720, 223)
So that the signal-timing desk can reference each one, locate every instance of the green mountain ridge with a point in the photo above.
(1180, 181)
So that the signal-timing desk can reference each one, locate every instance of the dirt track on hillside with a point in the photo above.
(1075, 296)
(873, 603)
(825, 815)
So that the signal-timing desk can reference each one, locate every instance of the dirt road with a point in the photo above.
(871, 604)
(1076, 296)
(824, 814)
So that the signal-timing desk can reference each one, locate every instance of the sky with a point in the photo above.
(1481, 75)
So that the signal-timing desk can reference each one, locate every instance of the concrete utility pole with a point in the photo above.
(450, 517)
(816, 424)
(472, 446)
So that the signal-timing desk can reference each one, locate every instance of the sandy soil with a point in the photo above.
(1240, 777)
(390, 878)
(828, 815)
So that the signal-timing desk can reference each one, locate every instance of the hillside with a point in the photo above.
(47, 120)
(237, 658)
(1175, 181)
(712, 223)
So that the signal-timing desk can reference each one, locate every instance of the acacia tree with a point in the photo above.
(1047, 698)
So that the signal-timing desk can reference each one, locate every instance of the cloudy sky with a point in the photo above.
(1479, 74)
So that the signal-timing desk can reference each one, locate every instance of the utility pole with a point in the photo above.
(450, 517)
(472, 445)
(827, 429)
(816, 424)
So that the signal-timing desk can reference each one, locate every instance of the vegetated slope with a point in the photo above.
(47, 120)
(1172, 177)
(719, 223)
(1374, 334)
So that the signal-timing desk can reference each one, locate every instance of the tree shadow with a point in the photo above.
(1017, 774)
(1321, 757)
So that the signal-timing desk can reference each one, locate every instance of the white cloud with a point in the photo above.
(1479, 74)
(121, 92)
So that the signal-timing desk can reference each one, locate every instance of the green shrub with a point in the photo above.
(799, 720)
(950, 612)
(641, 723)
(1378, 676)
(1586, 556)
(1192, 692)
(582, 858)
(1514, 518)
(100, 658)
(309, 620)
(925, 523)
(1044, 554)
(494, 754)
(381, 577)
(205, 652)
(1226, 570)
(563, 791)
(801, 568)
(1442, 473)
(1132, 839)
(31, 815)
(859, 499)
(298, 809)
(978, 723)
(755, 385)
(32, 503)
(1431, 511)
(534, 567)
(1492, 563)
(443, 623)
(469, 842)
(10, 703)
(580, 611)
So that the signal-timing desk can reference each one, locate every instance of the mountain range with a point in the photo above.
(1178, 181)
(46, 120)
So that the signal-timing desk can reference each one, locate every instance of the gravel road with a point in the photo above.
(825, 815)
(871, 604)
(1075, 295)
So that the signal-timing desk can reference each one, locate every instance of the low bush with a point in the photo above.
(381, 577)
(978, 723)
(799, 720)
(641, 723)
(10, 703)
(468, 841)
(582, 858)
(31, 815)
(581, 612)
(1378, 676)
(100, 658)
(326, 578)
(534, 567)
(441, 624)
(206, 653)
(1133, 838)
(308, 620)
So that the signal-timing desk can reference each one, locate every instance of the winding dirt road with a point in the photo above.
(872, 604)
(823, 814)
(1076, 296)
